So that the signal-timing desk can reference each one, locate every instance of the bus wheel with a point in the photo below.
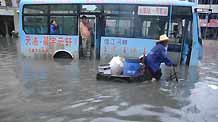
(62, 54)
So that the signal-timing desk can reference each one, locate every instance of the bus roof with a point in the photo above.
(148, 2)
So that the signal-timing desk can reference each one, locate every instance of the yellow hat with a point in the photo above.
(163, 38)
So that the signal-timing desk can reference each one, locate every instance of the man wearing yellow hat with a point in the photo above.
(157, 56)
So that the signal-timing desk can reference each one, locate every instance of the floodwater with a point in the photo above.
(47, 91)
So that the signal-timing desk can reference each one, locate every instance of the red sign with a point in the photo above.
(152, 11)
(212, 23)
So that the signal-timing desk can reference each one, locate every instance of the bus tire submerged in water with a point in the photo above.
(62, 54)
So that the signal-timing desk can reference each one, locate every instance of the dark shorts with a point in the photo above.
(157, 75)
(149, 73)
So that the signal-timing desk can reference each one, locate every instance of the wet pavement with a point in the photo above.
(63, 91)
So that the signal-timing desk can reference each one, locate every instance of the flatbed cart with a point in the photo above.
(132, 71)
(121, 78)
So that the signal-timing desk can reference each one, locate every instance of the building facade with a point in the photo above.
(209, 23)
(8, 17)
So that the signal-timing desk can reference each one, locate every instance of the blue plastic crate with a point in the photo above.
(131, 67)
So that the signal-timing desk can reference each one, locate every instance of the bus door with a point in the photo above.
(92, 29)
(96, 30)
(180, 45)
(179, 48)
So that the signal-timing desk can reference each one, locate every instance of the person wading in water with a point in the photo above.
(85, 32)
(157, 56)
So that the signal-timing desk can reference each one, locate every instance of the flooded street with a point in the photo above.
(63, 91)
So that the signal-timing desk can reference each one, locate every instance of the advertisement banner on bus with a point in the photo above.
(48, 44)
(126, 47)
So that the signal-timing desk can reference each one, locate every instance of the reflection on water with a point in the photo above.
(67, 91)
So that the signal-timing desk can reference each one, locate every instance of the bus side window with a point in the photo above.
(65, 25)
(35, 24)
(151, 27)
(118, 26)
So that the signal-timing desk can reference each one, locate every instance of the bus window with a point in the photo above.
(151, 22)
(65, 16)
(119, 26)
(35, 24)
(66, 24)
(119, 20)
(153, 27)
(150, 27)
(38, 17)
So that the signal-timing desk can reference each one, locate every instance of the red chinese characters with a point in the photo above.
(68, 41)
(52, 41)
(35, 41)
(27, 40)
(143, 11)
(45, 41)
(60, 41)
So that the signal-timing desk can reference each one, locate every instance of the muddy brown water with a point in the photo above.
(62, 91)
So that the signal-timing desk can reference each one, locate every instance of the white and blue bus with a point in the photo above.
(126, 28)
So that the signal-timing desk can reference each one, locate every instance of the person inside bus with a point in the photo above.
(158, 55)
(53, 27)
(85, 33)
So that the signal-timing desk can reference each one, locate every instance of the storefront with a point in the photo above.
(209, 30)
